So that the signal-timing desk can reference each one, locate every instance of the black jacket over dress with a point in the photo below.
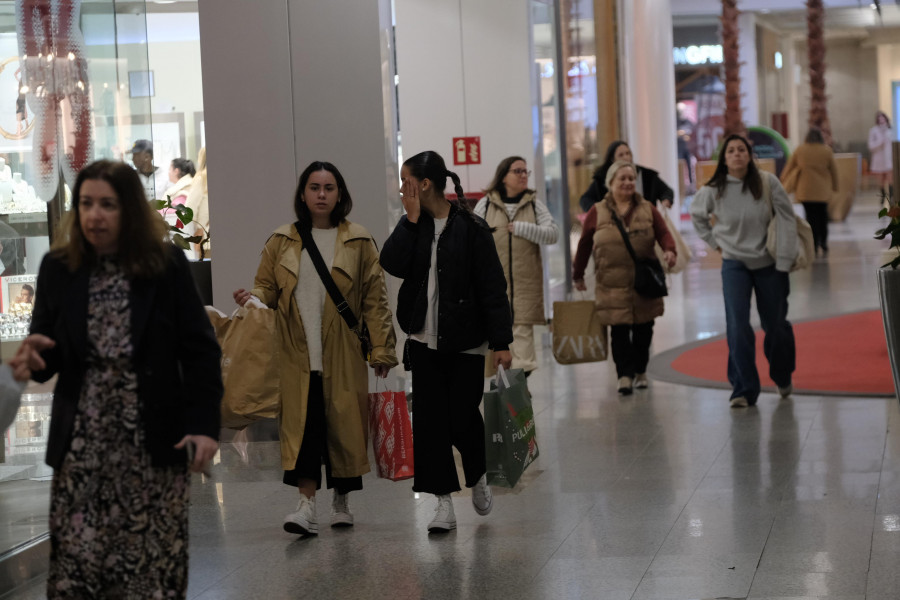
(176, 356)
(472, 306)
(655, 189)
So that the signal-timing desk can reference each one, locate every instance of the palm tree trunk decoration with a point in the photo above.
(815, 46)
(734, 122)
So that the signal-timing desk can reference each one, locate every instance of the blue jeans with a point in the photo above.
(772, 288)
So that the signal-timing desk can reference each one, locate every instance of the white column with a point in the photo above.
(648, 93)
(790, 75)
(286, 82)
(749, 68)
(464, 70)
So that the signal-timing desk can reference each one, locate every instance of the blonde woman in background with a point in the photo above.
(629, 315)
(198, 201)
(521, 224)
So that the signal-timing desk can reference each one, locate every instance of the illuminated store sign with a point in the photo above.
(698, 55)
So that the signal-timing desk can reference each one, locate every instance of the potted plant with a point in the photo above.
(889, 284)
(201, 268)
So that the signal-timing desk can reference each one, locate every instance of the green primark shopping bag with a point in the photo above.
(509, 428)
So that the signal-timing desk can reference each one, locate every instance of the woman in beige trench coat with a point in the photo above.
(324, 383)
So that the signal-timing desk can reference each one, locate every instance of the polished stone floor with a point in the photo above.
(665, 495)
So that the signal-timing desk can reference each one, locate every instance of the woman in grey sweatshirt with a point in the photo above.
(732, 215)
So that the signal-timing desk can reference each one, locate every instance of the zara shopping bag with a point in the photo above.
(391, 433)
(510, 441)
(577, 334)
(250, 364)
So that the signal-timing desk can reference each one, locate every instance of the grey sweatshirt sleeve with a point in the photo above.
(785, 225)
(701, 208)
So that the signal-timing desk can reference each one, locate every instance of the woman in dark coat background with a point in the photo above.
(648, 183)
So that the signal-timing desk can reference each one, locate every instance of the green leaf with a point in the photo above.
(185, 214)
(181, 242)
(159, 204)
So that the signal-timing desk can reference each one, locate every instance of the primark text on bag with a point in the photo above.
(510, 440)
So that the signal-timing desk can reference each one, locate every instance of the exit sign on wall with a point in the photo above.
(467, 150)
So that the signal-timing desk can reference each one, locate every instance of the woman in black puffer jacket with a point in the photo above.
(453, 306)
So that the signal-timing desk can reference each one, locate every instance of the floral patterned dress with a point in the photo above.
(118, 525)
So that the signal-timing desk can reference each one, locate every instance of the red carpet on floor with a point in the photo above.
(846, 354)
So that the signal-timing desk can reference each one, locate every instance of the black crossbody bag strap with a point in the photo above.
(330, 286)
(624, 233)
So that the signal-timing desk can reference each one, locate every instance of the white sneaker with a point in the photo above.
(482, 498)
(739, 402)
(641, 382)
(340, 511)
(303, 521)
(624, 386)
(786, 390)
(444, 518)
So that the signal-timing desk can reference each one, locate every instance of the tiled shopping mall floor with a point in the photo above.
(666, 495)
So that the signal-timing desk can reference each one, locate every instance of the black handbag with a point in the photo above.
(360, 329)
(649, 277)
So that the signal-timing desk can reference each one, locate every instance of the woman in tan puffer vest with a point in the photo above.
(521, 224)
(629, 315)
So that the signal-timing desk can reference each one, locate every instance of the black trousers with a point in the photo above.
(447, 390)
(631, 347)
(817, 215)
(314, 448)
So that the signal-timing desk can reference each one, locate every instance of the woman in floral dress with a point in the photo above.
(139, 383)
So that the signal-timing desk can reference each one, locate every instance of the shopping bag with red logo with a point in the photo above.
(391, 433)
(510, 441)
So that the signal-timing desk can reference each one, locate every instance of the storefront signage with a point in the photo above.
(467, 150)
(698, 55)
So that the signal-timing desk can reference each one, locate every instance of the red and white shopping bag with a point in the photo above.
(391, 433)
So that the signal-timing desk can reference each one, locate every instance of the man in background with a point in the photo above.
(155, 181)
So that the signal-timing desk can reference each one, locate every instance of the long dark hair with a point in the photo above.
(503, 168)
(608, 159)
(340, 210)
(752, 179)
(429, 165)
(143, 234)
(881, 113)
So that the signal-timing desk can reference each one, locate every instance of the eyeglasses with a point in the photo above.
(520, 171)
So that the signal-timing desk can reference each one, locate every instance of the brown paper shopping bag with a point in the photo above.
(250, 364)
(578, 336)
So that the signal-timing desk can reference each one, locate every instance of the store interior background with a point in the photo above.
(552, 80)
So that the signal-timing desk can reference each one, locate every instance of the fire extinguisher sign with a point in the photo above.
(467, 150)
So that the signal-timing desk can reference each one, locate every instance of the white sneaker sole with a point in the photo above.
(483, 511)
(442, 527)
(298, 529)
(342, 520)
